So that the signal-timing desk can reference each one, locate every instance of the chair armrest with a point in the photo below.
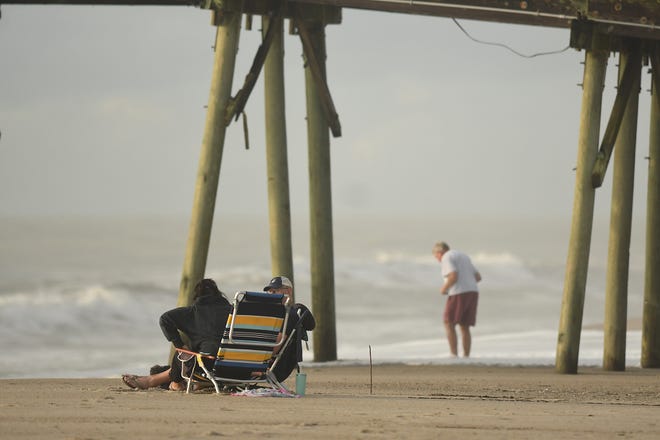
(194, 353)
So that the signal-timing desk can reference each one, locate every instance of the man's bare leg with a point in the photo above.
(466, 338)
(451, 338)
(144, 382)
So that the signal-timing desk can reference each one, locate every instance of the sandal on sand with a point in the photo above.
(131, 381)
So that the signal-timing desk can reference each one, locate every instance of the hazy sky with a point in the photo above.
(102, 112)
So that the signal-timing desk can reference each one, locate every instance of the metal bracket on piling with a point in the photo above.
(589, 35)
(219, 7)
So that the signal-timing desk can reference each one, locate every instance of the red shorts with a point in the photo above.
(462, 308)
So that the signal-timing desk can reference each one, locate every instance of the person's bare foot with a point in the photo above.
(177, 386)
(133, 381)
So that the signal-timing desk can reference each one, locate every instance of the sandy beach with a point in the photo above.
(456, 401)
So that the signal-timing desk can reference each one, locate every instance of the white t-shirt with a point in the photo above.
(455, 261)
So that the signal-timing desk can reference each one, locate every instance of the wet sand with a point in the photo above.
(455, 401)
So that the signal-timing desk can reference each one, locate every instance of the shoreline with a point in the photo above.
(388, 401)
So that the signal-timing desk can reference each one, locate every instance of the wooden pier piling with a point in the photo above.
(616, 290)
(651, 313)
(208, 172)
(320, 204)
(570, 324)
(279, 206)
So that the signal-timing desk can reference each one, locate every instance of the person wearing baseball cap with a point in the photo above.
(300, 319)
(279, 283)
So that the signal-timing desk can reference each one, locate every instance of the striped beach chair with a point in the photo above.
(254, 332)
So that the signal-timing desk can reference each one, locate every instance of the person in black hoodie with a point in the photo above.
(203, 323)
(301, 320)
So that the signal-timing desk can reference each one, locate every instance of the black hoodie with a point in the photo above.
(302, 320)
(203, 322)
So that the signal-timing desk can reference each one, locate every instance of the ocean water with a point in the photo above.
(81, 297)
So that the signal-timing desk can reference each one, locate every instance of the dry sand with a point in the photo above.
(457, 401)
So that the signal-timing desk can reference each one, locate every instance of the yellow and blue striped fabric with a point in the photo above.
(257, 323)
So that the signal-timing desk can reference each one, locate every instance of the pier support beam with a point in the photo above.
(208, 172)
(320, 205)
(279, 206)
(618, 257)
(651, 314)
(570, 324)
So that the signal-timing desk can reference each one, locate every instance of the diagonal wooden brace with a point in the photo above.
(319, 79)
(237, 103)
(629, 82)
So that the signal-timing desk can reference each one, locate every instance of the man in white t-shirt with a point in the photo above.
(461, 278)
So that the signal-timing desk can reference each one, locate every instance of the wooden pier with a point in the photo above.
(598, 27)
